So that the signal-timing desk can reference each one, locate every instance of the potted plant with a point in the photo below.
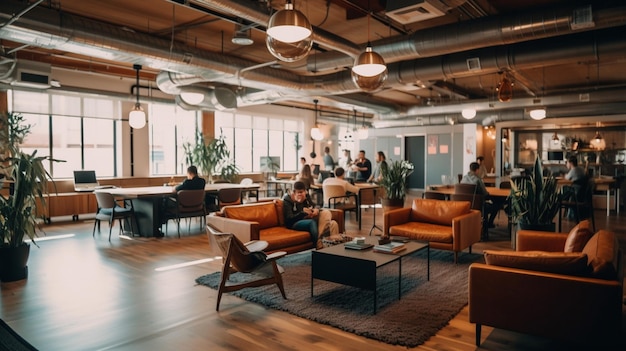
(535, 200)
(28, 181)
(211, 158)
(394, 183)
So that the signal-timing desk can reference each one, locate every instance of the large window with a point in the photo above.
(77, 130)
(251, 137)
(170, 128)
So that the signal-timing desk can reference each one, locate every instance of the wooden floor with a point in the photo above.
(85, 293)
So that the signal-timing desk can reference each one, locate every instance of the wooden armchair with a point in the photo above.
(245, 258)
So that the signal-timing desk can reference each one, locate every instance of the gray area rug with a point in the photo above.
(425, 307)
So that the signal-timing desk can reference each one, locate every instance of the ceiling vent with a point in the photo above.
(30, 74)
(411, 11)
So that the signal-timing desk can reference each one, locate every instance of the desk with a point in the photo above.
(492, 190)
(602, 184)
(147, 202)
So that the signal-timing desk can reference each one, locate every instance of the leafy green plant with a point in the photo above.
(535, 200)
(210, 156)
(394, 178)
(18, 211)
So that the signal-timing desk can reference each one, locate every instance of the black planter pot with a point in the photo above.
(549, 227)
(13, 262)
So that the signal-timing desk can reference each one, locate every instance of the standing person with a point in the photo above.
(302, 162)
(482, 171)
(329, 163)
(345, 161)
(301, 214)
(363, 166)
(379, 169)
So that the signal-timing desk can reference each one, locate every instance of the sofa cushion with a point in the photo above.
(578, 237)
(280, 237)
(570, 263)
(438, 211)
(279, 212)
(601, 251)
(264, 213)
(423, 231)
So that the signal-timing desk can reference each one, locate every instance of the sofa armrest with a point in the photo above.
(337, 216)
(395, 217)
(466, 230)
(243, 230)
(529, 240)
(552, 305)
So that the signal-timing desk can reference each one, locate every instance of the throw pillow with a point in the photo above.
(578, 237)
(601, 251)
(570, 263)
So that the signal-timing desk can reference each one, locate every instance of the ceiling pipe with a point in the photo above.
(43, 27)
(479, 33)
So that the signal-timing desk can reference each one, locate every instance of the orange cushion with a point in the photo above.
(264, 213)
(601, 251)
(578, 237)
(423, 231)
(279, 212)
(571, 263)
(281, 237)
(438, 211)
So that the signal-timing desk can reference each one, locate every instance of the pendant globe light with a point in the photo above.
(289, 34)
(505, 89)
(137, 117)
(316, 132)
(369, 71)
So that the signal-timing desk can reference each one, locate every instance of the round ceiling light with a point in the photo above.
(538, 114)
(468, 113)
(289, 34)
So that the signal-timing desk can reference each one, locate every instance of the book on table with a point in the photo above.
(392, 247)
(353, 245)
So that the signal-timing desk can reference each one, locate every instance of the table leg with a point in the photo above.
(399, 278)
(608, 201)
(428, 262)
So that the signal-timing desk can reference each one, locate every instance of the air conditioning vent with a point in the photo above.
(30, 74)
(411, 11)
(582, 18)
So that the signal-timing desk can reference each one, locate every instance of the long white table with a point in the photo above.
(147, 202)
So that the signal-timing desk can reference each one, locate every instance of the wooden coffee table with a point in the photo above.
(358, 268)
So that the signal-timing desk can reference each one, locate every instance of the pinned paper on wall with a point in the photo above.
(433, 141)
(443, 149)
(396, 151)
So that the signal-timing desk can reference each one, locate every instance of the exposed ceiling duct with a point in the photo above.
(183, 65)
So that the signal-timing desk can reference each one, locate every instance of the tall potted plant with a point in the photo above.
(211, 157)
(535, 200)
(28, 181)
(394, 183)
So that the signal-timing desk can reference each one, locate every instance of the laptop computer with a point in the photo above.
(85, 181)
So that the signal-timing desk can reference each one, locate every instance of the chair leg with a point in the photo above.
(96, 222)
(110, 228)
(478, 330)
(279, 279)
(456, 257)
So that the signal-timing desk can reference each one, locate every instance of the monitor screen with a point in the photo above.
(555, 155)
(85, 177)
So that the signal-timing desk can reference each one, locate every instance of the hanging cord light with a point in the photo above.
(289, 34)
(555, 139)
(369, 71)
(363, 131)
(137, 117)
(316, 132)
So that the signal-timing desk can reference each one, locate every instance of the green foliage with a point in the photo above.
(536, 199)
(211, 158)
(394, 178)
(18, 211)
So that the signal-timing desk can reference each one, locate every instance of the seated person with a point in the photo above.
(339, 179)
(492, 206)
(305, 176)
(301, 214)
(579, 183)
(193, 182)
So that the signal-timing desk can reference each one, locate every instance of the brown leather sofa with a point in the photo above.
(446, 225)
(551, 299)
(265, 221)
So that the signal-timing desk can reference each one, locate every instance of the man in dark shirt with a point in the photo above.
(193, 182)
(363, 166)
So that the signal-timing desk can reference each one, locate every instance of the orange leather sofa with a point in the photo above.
(265, 221)
(446, 225)
(578, 306)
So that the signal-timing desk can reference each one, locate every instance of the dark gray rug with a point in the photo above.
(425, 307)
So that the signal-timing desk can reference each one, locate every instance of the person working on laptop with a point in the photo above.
(193, 181)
